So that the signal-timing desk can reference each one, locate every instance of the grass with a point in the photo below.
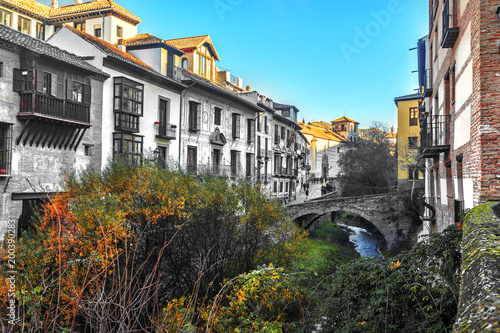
(329, 247)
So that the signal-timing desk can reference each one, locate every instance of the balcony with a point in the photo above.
(165, 131)
(34, 104)
(435, 136)
(428, 83)
(450, 35)
(174, 72)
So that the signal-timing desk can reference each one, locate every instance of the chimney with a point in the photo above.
(121, 46)
(77, 2)
(53, 4)
(248, 88)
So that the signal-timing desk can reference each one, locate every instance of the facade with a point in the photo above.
(408, 141)
(141, 107)
(347, 128)
(460, 127)
(324, 148)
(50, 121)
(103, 19)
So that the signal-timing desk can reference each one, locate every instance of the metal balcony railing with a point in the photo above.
(435, 136)
(450, 30)
(165, 130)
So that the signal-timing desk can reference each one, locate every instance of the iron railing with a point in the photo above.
(435, 132)
(165, 130)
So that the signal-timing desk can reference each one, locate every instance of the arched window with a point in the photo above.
(184, 63)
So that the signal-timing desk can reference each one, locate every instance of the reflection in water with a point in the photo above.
(364, 242)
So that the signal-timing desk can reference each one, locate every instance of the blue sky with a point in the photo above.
(328, 58)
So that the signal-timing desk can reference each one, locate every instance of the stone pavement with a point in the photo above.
(314, 192)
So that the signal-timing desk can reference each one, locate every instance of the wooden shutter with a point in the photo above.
(17, 83)
(60, 86)
(69, 90)
(87, 94)
(53, 83)
(39, 80)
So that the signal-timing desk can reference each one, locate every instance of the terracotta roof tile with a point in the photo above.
(92, 6)
(110, 49)
(344, 119)
(320, 133)
(145, 39)
(192, 42)
(42, 48)
(29, 6)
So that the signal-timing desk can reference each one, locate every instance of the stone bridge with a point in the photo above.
(388, 212)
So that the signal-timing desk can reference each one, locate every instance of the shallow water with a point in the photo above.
(364, 242)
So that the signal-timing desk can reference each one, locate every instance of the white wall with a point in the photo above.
(463, 50)
(152, 57)
(462, 129)
(463, 87)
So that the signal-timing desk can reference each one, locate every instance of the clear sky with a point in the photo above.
(329, 58)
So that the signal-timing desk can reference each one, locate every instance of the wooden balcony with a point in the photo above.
(35, 104)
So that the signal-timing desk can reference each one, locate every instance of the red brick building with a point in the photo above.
(460, 137)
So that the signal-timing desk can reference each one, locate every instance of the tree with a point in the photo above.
(367, 166)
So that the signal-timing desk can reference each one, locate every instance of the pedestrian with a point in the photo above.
(307, 194)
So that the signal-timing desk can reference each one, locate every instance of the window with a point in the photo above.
(235, 162)
(5, 17)
(40, 31)
(217, 116)
(203, 60)
(250, 130)
(119, 31)
(77, 92)
(128, 103)
(128, 147)
(259, 125)
(128, 96)
(184, 63)
(266, 126)
(413, 117)
(5, 149)
(283, 133)
(80, 26)
(97, 30)
(23, 80)
(164, 111)
(259, 153)
(1, 69)
(250, 165)
(236, 125)
(276, 134)
(216, 159)
(47, 83)
(88, 149)
(163, 156)
(275, 187)
(192, 159)
(412, 142)
(23, 25)
(194, 116)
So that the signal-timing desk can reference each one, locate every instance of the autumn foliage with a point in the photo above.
(123, 247)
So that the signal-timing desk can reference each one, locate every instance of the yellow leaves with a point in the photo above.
(395, 264)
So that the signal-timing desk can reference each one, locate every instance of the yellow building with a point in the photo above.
(347, 128)
(408, 141)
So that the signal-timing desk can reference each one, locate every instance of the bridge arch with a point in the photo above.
(387, 212)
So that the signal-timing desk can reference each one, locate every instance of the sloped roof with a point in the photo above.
(320, 132)
(147, 39)
(99, 5)
(28, 6)
(343, 120)
(110, 49)
(322, 124)
(42, 48)
(408, 97)
(193, 42)
(37, 9)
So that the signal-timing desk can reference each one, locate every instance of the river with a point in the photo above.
(364, 242)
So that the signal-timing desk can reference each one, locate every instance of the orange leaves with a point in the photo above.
(395, 264)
